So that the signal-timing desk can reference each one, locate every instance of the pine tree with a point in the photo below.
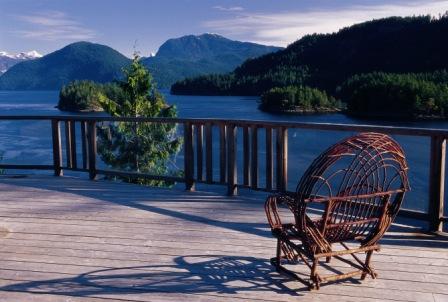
(138, 147)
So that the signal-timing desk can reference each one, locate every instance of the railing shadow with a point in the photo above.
(188, 275)
(147, 199)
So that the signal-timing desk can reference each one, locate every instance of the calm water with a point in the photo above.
(30, 142)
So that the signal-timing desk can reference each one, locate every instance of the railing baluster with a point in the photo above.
(222, 153)
(188, 157)
(231, 165)
(84, 143)
(269, 159)
(199, 148)
(437, 183)
(68, 144)
(285, 159)
(209, 152)
(92, 149)
(282, 158)
(246, 156)
(254, 157)
(72, 129)
(57, 149)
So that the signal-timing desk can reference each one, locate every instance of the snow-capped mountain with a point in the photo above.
(33, 54)
(7, 60)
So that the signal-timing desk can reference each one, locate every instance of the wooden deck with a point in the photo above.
(70, 239)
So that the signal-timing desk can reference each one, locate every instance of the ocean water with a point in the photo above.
(29, 142)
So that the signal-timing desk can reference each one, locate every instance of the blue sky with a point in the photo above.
(47, 25)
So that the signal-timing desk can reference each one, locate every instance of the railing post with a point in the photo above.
(231, 162)
(57, 150)
(254, 157)
(199, 151)
(84, 144)
(222, 152)
(269, 159)
(246, 156)
(188, 157)
(209, 152)
(73, 144)
(70, 144)
(437, 183)
(285, 159)
(282, 158)
(92, 148)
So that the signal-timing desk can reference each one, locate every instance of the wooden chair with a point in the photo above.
(359, 184)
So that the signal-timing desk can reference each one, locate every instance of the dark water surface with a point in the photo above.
(30, 141)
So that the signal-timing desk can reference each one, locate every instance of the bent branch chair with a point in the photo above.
(359, 184)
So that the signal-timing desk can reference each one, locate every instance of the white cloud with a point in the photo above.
(53, 25)
(229, 9)
(286, 27)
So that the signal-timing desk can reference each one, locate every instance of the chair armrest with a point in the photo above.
(271, 209)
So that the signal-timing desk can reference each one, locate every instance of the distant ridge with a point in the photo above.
(80, 60)
(197, 55)
(176, 59)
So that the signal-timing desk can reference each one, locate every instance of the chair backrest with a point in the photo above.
(362, 181)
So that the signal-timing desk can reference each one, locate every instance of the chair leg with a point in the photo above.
(313, 283)
(368, 269)
(314, 277)
(278, 254)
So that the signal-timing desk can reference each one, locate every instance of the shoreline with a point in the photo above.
(300, 111)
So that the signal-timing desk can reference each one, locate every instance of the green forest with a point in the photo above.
(298, 99)
(85, 95)
(410, 95)
(407, 54)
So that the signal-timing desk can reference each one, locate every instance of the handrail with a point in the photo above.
(198, 139)
(413, 131)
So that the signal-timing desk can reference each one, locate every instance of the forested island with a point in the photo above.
(86, 96)
(392, 67)
(298, 99)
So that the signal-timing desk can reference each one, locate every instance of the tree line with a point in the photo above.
(325, 61)
(365, 65)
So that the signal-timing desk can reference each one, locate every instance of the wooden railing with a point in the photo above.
(198, 153)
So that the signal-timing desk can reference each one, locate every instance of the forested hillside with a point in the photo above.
(325, 61)
(77, 61)
(192, 55)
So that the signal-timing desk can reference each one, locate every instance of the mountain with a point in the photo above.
(176, 59)
(325, 61)
(8, 60)
(77, 61)
(196, 55)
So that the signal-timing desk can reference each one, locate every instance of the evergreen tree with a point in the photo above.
(139, 147)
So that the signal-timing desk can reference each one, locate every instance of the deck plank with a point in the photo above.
(70, 239)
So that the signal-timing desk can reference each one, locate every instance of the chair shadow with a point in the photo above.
(192, 274)
(188, 275)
